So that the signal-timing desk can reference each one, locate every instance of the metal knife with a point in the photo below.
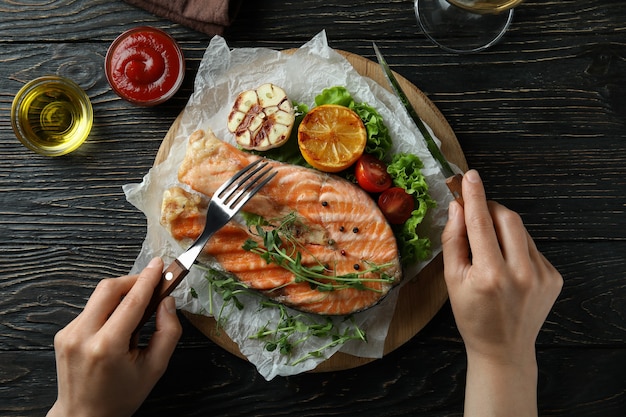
(453, 180)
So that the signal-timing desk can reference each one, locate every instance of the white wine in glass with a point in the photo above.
(465, 26)
(486, 6)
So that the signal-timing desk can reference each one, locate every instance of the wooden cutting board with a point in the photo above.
(420, 298)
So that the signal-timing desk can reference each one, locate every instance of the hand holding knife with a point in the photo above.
(453, 180)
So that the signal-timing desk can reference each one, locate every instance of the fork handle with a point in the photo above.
(171, 277)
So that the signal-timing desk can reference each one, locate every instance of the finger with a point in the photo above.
(512, 236)
(104, 300)
(480, 228)
(547, 270)
(455, 244)
(164, 340)
(127, 315)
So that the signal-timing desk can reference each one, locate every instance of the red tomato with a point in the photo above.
(396, 204)
(371, 174)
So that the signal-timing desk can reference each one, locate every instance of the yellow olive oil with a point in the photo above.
(52, 116)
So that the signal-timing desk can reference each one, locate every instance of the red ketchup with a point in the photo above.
(145, 66)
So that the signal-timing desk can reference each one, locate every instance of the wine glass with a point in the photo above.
(464, 26)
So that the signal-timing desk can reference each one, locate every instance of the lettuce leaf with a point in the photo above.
(378, 137)
(335, 95)
(405, 170)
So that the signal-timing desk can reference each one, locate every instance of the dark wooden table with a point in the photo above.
(541, 115)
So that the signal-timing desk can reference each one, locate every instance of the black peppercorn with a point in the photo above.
(355, 230)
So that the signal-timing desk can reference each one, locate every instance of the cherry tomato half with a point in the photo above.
(371, 174)
(396, 204)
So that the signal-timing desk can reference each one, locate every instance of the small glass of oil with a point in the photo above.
(51, 115)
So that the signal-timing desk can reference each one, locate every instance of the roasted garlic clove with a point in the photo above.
(262, 119)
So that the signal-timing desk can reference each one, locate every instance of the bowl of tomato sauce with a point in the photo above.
(145, 66)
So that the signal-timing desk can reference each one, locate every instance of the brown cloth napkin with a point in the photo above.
(207, 16)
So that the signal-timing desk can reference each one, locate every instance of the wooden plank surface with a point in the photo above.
(542, 116)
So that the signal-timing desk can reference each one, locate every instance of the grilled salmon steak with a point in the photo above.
(326, 225)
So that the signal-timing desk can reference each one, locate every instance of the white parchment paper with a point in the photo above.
(222, 75)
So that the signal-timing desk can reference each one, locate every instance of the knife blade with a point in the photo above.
(453, 179)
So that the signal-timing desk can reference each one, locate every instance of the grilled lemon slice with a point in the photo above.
(331, 137)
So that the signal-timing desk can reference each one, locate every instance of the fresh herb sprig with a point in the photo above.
(293, 330)
(282, 249)
(289, 331)
(227, 287)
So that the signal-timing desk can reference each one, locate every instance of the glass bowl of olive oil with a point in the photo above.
(51, 115)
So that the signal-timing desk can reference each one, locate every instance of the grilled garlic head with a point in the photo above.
(262, 119)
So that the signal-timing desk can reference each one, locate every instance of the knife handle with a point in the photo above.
(171, 277)
(454, 184)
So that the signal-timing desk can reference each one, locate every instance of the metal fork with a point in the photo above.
(229, 198)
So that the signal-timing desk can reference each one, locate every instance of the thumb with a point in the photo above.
(455, 245)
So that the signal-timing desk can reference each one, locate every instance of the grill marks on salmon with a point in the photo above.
(339, 226)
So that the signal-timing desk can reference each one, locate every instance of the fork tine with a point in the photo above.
(242, 199)
(248, 178)
(243, 186)
(238, 175)
(230, 193)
